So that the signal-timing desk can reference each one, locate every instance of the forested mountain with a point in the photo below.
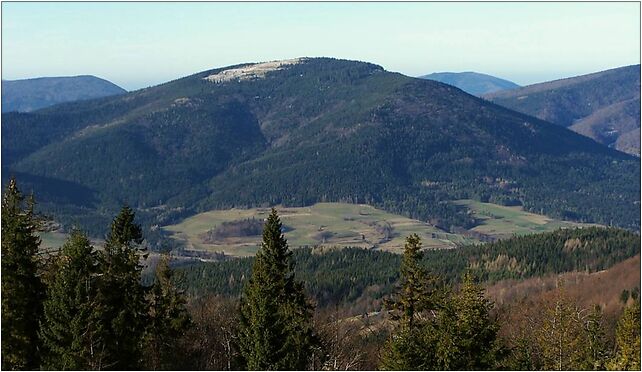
(302, 131)
(604, 106)
(32, 94)
(472, 82)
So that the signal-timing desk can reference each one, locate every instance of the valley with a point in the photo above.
(500, 222)
(52, 240)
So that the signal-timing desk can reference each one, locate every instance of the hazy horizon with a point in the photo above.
(136, 45)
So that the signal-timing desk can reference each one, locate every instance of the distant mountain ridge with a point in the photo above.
(27, 95)
(604, 105)
(472, 82)
(309, 130)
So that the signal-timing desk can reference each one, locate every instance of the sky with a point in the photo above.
(136, 45)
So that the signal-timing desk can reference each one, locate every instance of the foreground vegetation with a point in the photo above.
(89, 309)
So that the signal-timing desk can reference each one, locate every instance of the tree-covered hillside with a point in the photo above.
(309, 130)
(604, 106)
(356, 275)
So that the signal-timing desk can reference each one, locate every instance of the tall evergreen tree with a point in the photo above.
(411, 347)
(121, 307)
(66, 330)
(456, 333)
(168, 321)
(22, 289)
(417, 287)
(275, 322)
(475, 331)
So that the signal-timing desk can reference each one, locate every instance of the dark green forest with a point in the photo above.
(604, 106)
(559, 102)
(350, 275)
(320, 130)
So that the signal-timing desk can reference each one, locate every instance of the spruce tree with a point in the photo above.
(410, 346)
(66, 330)
(121, 308)
(275, 316)
(438, 330)
(168, 321)
(417, 287)
(22, 289)
(462, 335)
(475, 331)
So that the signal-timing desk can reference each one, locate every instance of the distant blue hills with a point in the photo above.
(32, 94)
(472, 82)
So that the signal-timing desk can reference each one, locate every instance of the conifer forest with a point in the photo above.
(320, 185)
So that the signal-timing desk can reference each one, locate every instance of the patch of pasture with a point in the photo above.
(322, 224)
(501, 221)
(357, 225)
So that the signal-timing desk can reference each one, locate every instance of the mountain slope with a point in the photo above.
(32, 94)
(312, 130)
(604, 106)
(472, 82)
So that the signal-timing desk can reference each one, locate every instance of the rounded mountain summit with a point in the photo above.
(309, 130)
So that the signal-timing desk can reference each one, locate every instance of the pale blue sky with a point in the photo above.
(141, 44)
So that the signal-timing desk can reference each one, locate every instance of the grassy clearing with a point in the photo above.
(502, 222)
(324, 224)
(343, 225)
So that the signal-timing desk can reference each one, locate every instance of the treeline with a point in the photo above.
(349, 275)
(88, 309)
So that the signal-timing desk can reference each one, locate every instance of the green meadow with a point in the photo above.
(322, 224)
(502, 222)
(356, 225)
(345, 225)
